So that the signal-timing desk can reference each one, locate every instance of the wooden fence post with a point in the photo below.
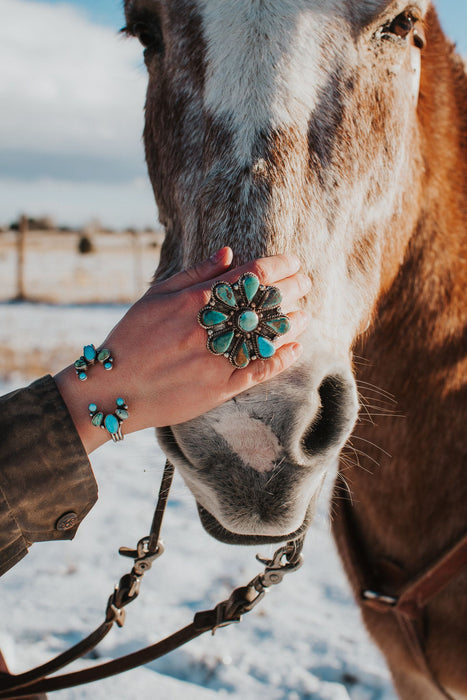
(20, 249)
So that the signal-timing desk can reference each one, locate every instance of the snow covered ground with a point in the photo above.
(305, 640)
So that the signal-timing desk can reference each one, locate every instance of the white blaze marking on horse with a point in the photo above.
(262, 70)
(253, 441)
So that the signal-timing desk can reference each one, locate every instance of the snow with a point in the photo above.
(304, 640)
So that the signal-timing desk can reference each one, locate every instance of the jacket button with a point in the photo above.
(67, 521)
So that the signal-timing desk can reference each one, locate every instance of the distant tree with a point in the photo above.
(41, 223)
(22, 230)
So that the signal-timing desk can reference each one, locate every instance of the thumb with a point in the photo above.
(201, 272)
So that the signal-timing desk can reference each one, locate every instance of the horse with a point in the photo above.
(334, 130)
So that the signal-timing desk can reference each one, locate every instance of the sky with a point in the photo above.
(71, 120)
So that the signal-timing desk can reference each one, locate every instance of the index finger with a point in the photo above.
(268, 270)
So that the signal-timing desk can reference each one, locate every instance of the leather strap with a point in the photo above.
(434, 579)
(241, 601)
(111, 668)
(4, 669)
(286, 559)
(418, 593)
(148, 549)
(83, 647)
(164, 490)
(408, 607)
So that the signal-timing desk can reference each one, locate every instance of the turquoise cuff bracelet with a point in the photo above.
(89, 357)
(243, 319)
(112, 422)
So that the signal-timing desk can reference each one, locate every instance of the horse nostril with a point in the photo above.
(331, 419)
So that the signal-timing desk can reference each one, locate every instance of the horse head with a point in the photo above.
(283, 126)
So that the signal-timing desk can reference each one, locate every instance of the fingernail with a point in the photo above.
(224, 252)
(217, 256)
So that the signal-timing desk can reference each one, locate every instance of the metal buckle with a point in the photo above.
(276, 568)
(129, 584)
(245, 598)
(379, 599)
(142, 556)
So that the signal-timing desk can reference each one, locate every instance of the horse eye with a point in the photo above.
(402, 25)
(148, 34)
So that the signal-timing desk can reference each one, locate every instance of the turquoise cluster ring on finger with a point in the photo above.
(243, 319)
(112, 422)
(89, 357)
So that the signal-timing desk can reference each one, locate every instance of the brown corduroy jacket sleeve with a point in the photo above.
(46, 482)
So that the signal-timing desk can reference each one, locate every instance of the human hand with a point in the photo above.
(162, 367)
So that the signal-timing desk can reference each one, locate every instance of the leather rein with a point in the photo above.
(286, 559)
(409, 604)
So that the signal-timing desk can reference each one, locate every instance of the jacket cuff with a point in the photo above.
(46, 482)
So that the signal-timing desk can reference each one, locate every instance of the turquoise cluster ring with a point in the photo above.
(112, 422)
(243, 319)
(89, 357)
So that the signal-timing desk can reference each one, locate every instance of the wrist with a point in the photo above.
(98, 390)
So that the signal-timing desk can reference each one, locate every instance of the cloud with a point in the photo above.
(67, 86)
(72, 96)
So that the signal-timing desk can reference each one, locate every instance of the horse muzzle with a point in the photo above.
(256, 465)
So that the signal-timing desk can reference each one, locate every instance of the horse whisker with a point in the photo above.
(373, 444)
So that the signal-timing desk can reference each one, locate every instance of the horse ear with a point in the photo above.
(433, 35)
(441, 65)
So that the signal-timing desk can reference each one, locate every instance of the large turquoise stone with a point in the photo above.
(89, 353)
(250, 286)
(248, 321)
(222, 343)
(273, 298)
(224, 292)
(242, 357)
(122, 413)
(211, 317)
(111, 423)
(279, 325)
(103, 355)
(265, 347)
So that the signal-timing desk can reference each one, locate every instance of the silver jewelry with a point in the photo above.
(243, 319)
(112, 422)
(89, 357)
